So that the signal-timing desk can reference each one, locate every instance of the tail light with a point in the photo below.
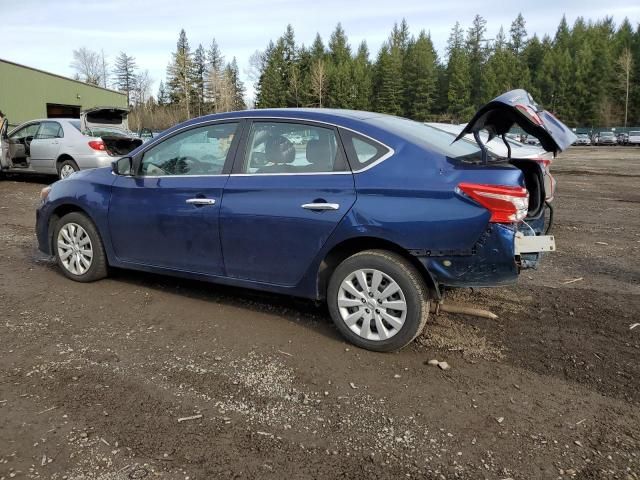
(97, 145)
(549, 181)
(507, 204)
(530, 113)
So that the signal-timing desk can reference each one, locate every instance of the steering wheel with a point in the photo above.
(191, 163)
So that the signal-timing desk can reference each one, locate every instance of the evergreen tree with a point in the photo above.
(388, 82)
(339, 84)
(362, 82)
(476, 54)
(199, 75)
(421, 78)
(124, 71)
(214, 75)
(180, 74)
(163, 99)
(238, 90)
(458, 76)
(272, 91)
(518, 41)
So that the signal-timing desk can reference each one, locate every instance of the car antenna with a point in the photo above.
(482, 146)
(504, 139)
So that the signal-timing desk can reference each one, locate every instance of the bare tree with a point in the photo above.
(223, 89)
(142, 89)
(104, 68)
(87, 65)
(319, 80)
(625, 62)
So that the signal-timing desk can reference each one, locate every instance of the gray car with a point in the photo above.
(62, 146)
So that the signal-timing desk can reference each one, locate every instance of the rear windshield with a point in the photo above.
(430, 138)
(75, 124)
(105, 132)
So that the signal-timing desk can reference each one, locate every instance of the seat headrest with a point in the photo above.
(279, 150)
(319, 153)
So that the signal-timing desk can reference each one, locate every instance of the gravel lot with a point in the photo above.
(97, 379)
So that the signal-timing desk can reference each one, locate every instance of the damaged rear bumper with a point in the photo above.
(495, 260)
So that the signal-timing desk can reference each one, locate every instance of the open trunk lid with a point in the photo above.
(517, 107)
(114, 117)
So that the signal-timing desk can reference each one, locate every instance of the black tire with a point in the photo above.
(98, 267)
(411, 283)
(67, 163)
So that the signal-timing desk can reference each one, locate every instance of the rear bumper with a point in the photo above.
(97, 160)
(491, 262)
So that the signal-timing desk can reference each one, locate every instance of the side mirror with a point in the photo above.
(122, 166)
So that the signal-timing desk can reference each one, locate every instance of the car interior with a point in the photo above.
(290, 148)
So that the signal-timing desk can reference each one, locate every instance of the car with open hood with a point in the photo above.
(376, 215)
(62, 146)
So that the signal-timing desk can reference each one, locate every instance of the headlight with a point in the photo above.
(44, 194)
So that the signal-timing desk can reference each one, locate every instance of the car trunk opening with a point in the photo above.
(534, 183)
(119, 146)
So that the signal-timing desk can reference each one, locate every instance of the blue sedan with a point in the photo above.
(375, 214)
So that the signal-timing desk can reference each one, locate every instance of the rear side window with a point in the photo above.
(287, 147)
(362, 151)
(49, 130)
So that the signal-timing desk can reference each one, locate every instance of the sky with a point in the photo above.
(44, 33)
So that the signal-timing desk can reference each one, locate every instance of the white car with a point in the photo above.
(519, 150)
(62, 146)
(634, 138)
(496, 145)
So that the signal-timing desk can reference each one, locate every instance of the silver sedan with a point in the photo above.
(61, 147)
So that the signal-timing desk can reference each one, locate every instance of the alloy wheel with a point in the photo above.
(372, 304)
(66, 170)
(75, 249)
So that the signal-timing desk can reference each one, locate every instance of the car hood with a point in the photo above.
(517, 107)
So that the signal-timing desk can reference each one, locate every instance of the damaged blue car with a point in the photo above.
(374, 214)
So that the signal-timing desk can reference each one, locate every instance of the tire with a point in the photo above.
(64, 168)
(350, 317)
(79, 259)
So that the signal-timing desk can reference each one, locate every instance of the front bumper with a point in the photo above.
(42, 231)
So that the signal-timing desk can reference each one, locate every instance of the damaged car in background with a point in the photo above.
(376, 215)
(62, 146)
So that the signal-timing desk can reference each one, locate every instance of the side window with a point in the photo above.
(362, 150)
(24, 132)
(281, 147)
(199, 151)
(49, 130)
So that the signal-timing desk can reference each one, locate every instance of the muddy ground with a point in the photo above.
(94, 378)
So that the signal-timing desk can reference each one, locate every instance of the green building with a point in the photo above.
(27, 93)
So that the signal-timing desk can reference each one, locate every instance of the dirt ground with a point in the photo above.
(95, 379)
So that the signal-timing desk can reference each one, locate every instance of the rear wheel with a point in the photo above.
(378, 300)
(66, 168)
(78, 248)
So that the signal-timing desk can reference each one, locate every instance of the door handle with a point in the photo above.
(321, 206)
(201, 201)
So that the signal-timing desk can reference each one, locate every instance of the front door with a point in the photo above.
(45, 146)
(168, 214)
(290, 188)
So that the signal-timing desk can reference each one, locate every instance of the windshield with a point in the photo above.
(635, 134)
(430, 138)
(606, 134)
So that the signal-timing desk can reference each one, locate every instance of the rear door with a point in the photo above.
(45, 146)
(167, 214)
(290, 188)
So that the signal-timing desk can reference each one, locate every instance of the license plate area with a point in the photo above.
(534, 244)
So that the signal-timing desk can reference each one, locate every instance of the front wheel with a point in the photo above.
(378, 300)
(78, 248)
